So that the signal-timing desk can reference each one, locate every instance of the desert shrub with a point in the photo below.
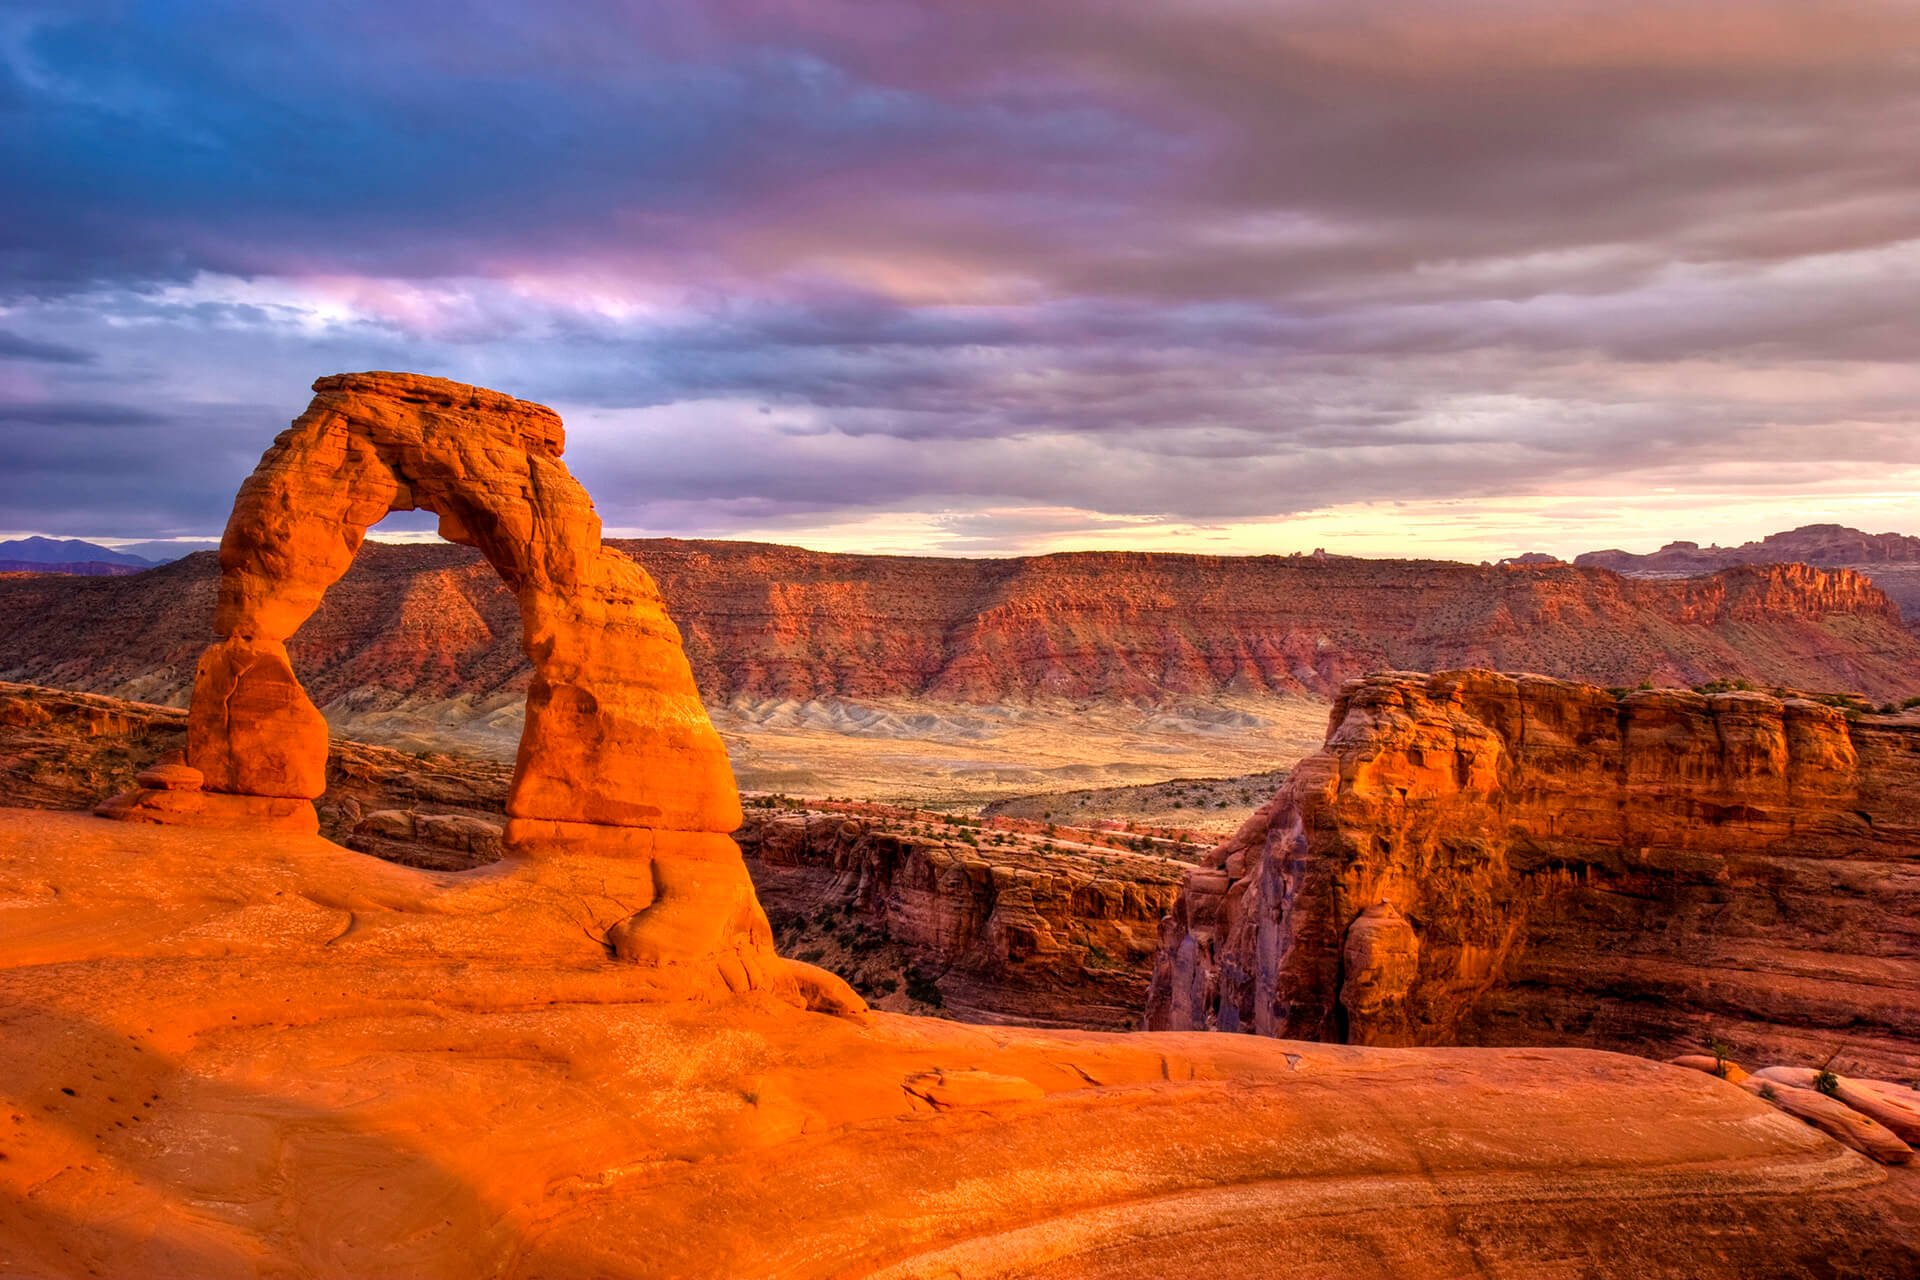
(1824, 1080)
(924, 989)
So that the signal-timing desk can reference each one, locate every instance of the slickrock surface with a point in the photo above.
(1005, 927)
(1488, 859)
(432, 629)
(223, 1055)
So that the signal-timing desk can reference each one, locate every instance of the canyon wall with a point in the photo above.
(1006, 929)
(1485, 859)
(414, 626)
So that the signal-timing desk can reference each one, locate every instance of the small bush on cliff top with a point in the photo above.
(1824, 1080)
(923, 988)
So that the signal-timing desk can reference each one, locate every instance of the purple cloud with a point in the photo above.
(1034, 269)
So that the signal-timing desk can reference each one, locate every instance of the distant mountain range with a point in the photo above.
(1892, 560)
(90, 559)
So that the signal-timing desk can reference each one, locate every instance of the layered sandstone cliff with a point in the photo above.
(411, 627)
(1006, 929)
(1487, 859)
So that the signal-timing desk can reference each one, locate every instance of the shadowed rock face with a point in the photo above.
(1485, 859)
(1049, 933)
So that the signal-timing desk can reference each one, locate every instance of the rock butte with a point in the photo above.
(229, 1051)
(1487, 859)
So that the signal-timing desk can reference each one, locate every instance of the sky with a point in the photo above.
(1464, 279)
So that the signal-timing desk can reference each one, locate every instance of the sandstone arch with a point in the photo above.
(621, 782)
(615, 732)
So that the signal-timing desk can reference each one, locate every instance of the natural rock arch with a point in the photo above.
(615, 732)
(621, 782)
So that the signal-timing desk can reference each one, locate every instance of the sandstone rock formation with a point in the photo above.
(225, 1056)
(615, 732)
(617, 757)
(417, 630)
(1040, 932)
(1562, 865)
(1891, 560)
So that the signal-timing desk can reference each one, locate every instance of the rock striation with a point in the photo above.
(1036, 932)
(412, 630)
(1488, 859)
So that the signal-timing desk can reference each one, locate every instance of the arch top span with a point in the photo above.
(615, 731)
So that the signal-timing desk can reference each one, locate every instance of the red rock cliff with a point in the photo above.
(411, 624)
(1028, 932)
(1487, 859)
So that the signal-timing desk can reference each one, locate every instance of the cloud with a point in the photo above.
(1012, 274)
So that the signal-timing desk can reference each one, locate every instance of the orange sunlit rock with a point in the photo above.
(615, 733)
(1644, 870)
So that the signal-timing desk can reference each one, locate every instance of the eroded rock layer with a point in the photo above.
(1043, 932)
(417, 627)
(1489, 859)
(615, 730)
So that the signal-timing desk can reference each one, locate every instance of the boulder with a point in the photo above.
(1835, 1119)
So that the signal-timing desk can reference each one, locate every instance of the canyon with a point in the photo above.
(1485, 859)
(947, 681)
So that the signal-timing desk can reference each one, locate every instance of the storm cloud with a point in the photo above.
(989, 276)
